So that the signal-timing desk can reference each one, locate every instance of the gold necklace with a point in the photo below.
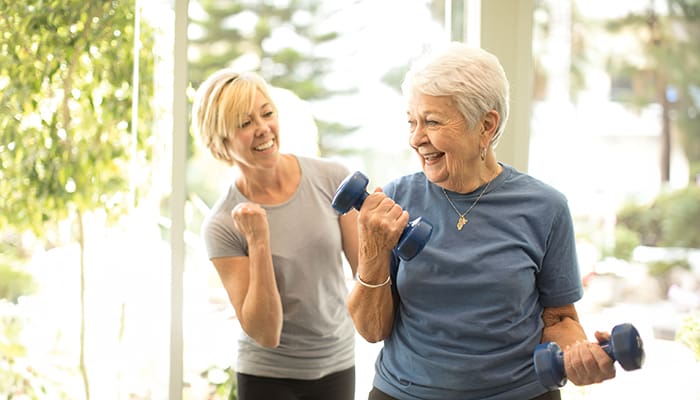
(462, 216)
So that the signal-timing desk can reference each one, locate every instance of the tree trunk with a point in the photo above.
(82, 365)
(665, 145)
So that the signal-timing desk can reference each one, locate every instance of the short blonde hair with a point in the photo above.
(222, 102)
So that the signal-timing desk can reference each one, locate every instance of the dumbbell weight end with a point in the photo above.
(549, 365)
(413, 238)
(351, 193)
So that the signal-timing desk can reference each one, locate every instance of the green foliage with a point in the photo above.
(13, 378)
(681, 211)
(222, 42)
(686, 79)
(223, 381)
(626, 241)
(13, 282)
(695, 171)
(17, 377)
(689, 333)
(394, 77)
(229, 31)
(643, 219)
(66, 99)
(665, 222)
(65, 109)
(671, 60)
(662, 268)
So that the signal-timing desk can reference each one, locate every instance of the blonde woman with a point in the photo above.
(277, 246)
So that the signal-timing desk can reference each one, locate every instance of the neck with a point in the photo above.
(269, 185)
(487, 171)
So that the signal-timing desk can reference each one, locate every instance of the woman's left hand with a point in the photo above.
(587, 363)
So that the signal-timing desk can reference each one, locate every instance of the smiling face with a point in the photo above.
(448, 148)
(256, 137)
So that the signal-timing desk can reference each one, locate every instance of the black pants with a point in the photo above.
(376, 394)
(337, 386)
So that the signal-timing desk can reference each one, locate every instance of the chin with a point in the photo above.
(431, 170)
(430, 174)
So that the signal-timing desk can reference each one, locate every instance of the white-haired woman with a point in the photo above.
(499, 274)
(277, 246)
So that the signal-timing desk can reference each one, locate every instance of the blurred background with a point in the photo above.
(105, 289)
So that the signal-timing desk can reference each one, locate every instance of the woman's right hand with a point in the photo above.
(381, 223)
(251, 220)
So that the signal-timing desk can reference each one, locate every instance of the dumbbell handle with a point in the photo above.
(605, 345)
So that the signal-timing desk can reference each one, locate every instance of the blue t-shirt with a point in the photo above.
(469, 315)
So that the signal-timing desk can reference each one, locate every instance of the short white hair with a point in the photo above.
(471, 76)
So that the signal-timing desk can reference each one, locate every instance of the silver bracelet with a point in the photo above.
(369, 285)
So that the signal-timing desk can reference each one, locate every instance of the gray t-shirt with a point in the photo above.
(318, 337)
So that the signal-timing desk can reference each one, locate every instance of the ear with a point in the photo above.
(489, 124)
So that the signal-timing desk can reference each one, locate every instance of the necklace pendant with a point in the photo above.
(461, 222)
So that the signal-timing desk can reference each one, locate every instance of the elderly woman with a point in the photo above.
(499, 274)
(277, 246)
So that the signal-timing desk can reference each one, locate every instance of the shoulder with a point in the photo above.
(406, 184)
(219, 215)
(323, 169)
(525, 184)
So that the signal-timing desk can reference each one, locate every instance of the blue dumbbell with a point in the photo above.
(625, 347)
(351, 193)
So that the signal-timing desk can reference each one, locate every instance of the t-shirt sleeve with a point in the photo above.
(336, 172)
(325, 175)
(559, 280)
(221, 239)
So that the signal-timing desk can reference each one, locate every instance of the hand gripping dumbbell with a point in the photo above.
(625, 347)
(351, 193)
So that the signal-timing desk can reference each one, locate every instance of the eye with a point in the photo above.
(430, 122)
(411, 125)
(245, 124)
(268, 114)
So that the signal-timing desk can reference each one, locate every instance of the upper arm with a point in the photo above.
(234, 274)
(348, 230)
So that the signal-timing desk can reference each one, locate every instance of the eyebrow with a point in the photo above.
(427, 113)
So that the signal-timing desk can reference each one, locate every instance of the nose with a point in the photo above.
(417, 136)
(261, 127)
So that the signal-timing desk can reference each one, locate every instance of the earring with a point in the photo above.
(482, 153)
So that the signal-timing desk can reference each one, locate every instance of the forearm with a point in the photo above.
(380, 224)
(564, 329)
(565, 333)
(372, 309)
(262, 313)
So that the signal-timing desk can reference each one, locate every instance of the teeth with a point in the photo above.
(265, 146)
(432, 156)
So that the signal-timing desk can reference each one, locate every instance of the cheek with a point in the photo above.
(450, 141)
(242, 140)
